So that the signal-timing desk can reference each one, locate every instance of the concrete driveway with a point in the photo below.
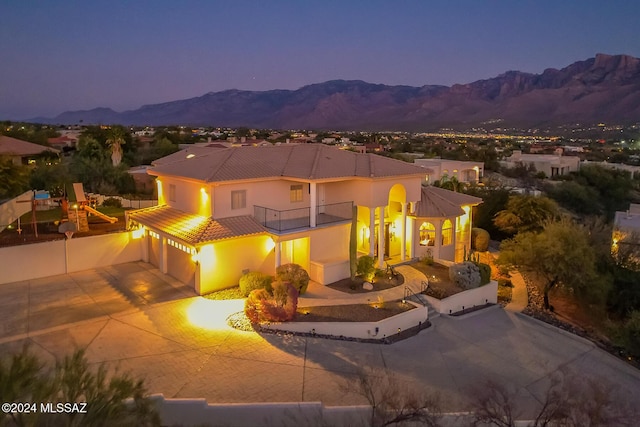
(133, 317)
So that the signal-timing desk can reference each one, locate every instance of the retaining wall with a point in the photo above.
(363, 330)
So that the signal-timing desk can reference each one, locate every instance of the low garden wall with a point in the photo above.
(51, 258)
(362, 330)
(197, 412)
(487, 294)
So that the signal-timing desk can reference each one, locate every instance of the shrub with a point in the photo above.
(427, 258)
(465, 274)
(255, 280)
(480, 239)
(112, 202)
(630, 334)
(485, 273)
(366, 267)
(295, 275)
(280, 305)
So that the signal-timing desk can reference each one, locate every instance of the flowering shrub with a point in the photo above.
(254, 280)
(465, 274)
(280, 305)
(295, 275)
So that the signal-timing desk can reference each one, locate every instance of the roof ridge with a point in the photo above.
(229, 153)
(316, 160)
(286, 163)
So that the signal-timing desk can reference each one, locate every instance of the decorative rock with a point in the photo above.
(367, 286)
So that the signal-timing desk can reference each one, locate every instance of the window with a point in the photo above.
(447, 232)
(295, 193)
(172, 192)
(427, 234)
(239, 199)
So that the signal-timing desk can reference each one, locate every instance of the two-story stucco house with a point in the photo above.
(225, 211)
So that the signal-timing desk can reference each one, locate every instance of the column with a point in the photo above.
(278, 254)
(145, 246)
(438, 243)
(381, 237)
(372, 231)
(313, 202)
(164, 249)
(198, 285)
(403, 233)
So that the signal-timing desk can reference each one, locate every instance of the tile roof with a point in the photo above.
(440, 203)
(302, 161)
(17, 147)
(195, 229)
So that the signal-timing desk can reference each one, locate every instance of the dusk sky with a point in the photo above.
(76, 55)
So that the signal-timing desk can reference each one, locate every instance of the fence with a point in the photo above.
(38, 260)
(126, 203)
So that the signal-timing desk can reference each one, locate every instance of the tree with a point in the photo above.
(392, 401)
(560, 255)
(115, 141)
(569, 401)
(24, 378)
(15, 178)
(525, 213)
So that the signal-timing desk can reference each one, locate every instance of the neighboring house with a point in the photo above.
(22, 152)
(626, 231)
(469, 172)
(225, 211)
(551, 164)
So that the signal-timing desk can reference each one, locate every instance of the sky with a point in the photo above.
(58, 56)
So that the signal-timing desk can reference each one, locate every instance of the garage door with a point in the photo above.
(180, 265)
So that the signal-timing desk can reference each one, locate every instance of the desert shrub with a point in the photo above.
(465, 274)
(485, 273)
(630, 334)
(254, 280)
(480, 239)
(280, 305)
(366, 267)
(112, 202)
(427, 259)
(295, 275)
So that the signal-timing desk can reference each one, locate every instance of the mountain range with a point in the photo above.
(601, 89)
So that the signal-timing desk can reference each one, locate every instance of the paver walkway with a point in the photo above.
(133, 317)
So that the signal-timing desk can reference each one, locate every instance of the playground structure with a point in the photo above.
(78, 212)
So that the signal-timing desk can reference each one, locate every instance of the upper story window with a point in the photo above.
(295, 193)
(239, 199)
(447, 232)
(172, 192)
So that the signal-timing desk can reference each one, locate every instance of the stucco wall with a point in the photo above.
(467, 299)
(223, 262)
(27, 262)
(364, 330)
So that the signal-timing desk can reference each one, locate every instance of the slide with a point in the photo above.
(100, 214)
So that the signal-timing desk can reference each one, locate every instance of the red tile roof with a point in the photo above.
(437, 202)
(302, 161)
(195, 229)
(17, 147)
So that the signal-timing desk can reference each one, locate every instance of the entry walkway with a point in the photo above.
(323, 295)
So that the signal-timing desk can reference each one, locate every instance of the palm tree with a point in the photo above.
(115, 141)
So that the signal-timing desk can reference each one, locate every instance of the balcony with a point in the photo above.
(295, 219)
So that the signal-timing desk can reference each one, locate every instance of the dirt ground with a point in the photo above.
(353, 312)
(49, 231)
(355, 286)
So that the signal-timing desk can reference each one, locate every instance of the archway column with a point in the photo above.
(381, 236)
(372, 231)
(403, 233)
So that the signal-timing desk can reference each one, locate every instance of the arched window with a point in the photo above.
(447, 232)
(427, 234)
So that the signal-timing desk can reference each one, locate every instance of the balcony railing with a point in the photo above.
(292, 219)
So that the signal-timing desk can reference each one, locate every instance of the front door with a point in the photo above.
(386, 242)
